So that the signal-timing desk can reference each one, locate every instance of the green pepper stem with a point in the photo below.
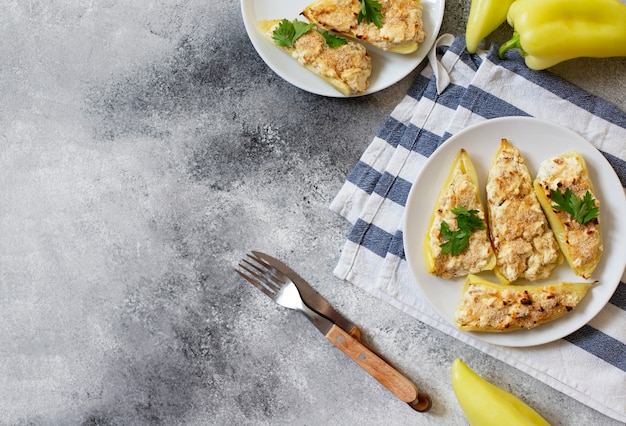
(513, 43)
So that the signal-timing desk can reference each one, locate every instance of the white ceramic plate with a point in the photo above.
(537, 140)
(387, 68)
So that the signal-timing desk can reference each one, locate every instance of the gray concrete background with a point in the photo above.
(144, 148)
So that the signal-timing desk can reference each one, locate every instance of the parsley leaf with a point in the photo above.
(370, 12)
(582, 209)
(333, 41)
(288, 32)
(456, 242)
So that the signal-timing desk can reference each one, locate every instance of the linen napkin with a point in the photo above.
(453, 91)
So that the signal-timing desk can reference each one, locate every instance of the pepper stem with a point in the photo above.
(513, 43)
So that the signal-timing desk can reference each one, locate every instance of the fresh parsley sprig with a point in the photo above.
(456, 242)
(370, 12)
(582, 209)
(288, 32)
(333, 41)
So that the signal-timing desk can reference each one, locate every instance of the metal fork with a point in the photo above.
(283, 291)
(279, 287)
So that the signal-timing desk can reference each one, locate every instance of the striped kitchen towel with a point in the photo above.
(453, 91)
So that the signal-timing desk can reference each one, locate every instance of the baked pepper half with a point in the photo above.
(548, 32)
(484, 17)
(485, 404)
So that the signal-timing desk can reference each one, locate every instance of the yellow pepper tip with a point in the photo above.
(486, 404)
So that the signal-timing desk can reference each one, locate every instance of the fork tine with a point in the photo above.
(256, 280)
(262, 274)
(278, 278)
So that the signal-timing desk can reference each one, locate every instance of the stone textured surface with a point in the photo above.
(144, 148)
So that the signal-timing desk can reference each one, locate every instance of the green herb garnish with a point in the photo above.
(333, 41)
(456, 242)
(583, 209)
(370, 12)
(288, 32)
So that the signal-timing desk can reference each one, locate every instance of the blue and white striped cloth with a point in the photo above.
(453, 91)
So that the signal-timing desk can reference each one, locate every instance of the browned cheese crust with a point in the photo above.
(348, 67)
(583, 242)
(402, 21)
(460, 191)
(522, 239)
(508, 308)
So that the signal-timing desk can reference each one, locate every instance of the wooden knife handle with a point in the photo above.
(378, 368)
(355, 332)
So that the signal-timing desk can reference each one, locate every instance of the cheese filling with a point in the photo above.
(402, 21)
(463, 191)
(522, 239)
(584, 241)
(348, 65)
(507, 308)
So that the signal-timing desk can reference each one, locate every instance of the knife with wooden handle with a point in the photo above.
(378, 368)
(347, 337)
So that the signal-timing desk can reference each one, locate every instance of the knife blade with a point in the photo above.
(311, 297)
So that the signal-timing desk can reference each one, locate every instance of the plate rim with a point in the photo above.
(540, 335)
(321, 88)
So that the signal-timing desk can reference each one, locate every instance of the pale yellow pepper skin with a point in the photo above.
(552, 31)
(485, 17)
(485, 404)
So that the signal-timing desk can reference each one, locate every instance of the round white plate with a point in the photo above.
(537, 140)
(387, 68)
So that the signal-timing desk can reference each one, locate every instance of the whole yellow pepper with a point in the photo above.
(484, 17)
(485, 404)
(551, 31)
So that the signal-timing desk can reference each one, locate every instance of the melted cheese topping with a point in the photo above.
(402, 21)
(461, 190)
(524, 243)
(584, 242)
(507, 308)
(349, 64)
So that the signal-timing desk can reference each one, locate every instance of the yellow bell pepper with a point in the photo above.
(548, 32)
(485, 404)
(484, 17)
